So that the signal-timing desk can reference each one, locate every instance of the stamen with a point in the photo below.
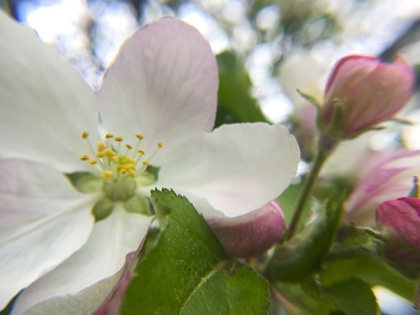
(107, 175)
(147, 163)
(101, 146)
(85, 134)
(109, 136)
(92, 162)
(129, 147)
(84, 157)
(160, 144)
(139, 137)
(141, 152)
(119, 140)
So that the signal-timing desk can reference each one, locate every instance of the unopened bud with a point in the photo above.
(366, 91)
(251, 234)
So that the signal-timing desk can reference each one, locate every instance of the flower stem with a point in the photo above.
(326, 146)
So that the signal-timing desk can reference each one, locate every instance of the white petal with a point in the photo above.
(44, 220)
(162, 84)
(91, 299)
(237, 168)
(45, 104)
(102, 256)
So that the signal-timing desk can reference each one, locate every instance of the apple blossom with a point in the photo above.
(251, 234)
(385, 175)
(400, 221)
(73, 206)
(367, 91)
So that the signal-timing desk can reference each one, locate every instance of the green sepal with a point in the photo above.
(147, 178)
(102, 209)
(358, 133)
(302, 255)
(187, 272)
(334, 128)
(403, 121)
(86, 182)
(310, 99)
(137, 204)
(352, 297)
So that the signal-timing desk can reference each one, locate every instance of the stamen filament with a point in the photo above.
(139, 137)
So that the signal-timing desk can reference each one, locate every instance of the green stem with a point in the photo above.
(325, 146)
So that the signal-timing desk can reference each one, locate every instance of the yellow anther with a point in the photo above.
(147, 163)
(92, 162)
(160, 144)
(109, 153)
(106, 175)
(101, 146)
(141, 152)
(119, 139)
(100, 154)
(109, 135)
(139, 136)
(85, 134)
(129, 147)
(84, 157)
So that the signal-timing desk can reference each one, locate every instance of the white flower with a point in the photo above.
(163, 85)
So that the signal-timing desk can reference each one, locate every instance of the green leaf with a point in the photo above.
(368, 266)
(301, 256)
(352, 296)
(187, 272)
(234, 101)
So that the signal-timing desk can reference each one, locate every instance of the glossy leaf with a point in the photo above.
(187, 272)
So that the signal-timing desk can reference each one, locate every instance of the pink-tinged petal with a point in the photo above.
(379, 96)
(251, 234)
(101, 257)
(162, 84)
(369, 92)
(389, 176)
(351, 66)
(45, 102)
(236, 168)
(44, 220)
(110, 290)
(112, 303)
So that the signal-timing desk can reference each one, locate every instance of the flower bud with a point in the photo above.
(367, 91)
(385, 175)
(251, 234)
(400, 222)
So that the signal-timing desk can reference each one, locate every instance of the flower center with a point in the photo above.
(118, 169)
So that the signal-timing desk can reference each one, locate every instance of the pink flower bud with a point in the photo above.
(400, 221)
(368, 90)
(251, 234)
(385, 175)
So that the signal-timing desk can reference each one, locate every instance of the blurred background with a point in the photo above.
(265, 49)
